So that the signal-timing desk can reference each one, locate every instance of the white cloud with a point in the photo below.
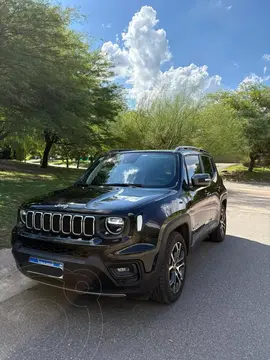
(236, 64)
(266, 57)
(193, 80)
(119, 57)
(252, 79)
(219, 4)
(264, 70)
(145, 48)
(106, 26)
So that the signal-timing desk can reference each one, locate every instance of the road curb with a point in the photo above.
(12, 282)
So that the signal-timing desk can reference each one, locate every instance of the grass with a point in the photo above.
(21, 181)
(62, 163)
(72, 163)
(239, 172)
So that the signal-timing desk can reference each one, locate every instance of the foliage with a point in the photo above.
(160, 124)
(50, 81)
(183, 120)
(252, 103)
(220, 130)
(101, 140)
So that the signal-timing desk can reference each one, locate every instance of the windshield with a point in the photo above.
(135, 169)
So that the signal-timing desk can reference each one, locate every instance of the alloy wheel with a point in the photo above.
(177, 267)
(222, 222)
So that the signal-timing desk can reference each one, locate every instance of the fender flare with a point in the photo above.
(165, 232)
(223, 197)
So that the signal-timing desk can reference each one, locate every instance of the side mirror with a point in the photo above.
(201, 180)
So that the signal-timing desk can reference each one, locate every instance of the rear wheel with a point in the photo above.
(219, 233)
(173, 272)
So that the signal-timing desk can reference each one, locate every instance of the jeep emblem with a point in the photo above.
(63, 206)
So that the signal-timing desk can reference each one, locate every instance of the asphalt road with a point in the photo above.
(223, 314)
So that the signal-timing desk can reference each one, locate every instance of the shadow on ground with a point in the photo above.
(224, 313)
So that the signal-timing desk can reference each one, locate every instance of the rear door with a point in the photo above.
(198, 202)
(212, 191)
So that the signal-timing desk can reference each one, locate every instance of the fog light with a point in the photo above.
(123, 269)
(123, 272)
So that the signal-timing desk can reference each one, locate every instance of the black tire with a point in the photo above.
(171, 282)
(218, 235)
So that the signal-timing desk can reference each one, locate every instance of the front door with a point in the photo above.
(198, 202)
(212, 192)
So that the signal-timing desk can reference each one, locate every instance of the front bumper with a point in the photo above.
(87, 269)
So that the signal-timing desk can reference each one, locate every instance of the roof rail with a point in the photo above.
(192, 148)
(118, 150)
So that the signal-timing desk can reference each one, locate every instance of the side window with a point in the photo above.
(213, 165)
(207, 165)
(193, 165)
(185, 175)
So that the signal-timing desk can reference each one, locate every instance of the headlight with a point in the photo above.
(115, 225)
(23, 216)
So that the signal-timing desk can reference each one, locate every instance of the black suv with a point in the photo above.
(126, 226)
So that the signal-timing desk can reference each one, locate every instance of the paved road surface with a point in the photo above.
(223, 314)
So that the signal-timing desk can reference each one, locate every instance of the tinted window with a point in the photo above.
(193, 165)
(213, 165)
(185, 175)
(207, 165)
(146, 169)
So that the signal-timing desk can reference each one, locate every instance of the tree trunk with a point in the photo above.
(67, 162)
(50, 138)
(45, 158)
(251, 163)
(78, 163)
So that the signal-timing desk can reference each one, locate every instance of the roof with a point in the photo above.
(190, 149)
(181, 149)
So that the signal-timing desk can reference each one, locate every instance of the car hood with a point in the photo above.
(98, 199)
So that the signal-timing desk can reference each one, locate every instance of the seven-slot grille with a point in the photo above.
(58, 223)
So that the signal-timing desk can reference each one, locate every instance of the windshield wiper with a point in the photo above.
(123, 184)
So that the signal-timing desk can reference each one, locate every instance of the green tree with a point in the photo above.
(32, 35)
(183, 120)
(99, 140)
(252, 104)
(220, 130)
(51, 83)
(161, 123)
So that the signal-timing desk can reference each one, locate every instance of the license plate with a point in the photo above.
(53, 264)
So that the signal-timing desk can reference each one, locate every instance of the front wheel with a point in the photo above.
(219, 233)
(173, 272)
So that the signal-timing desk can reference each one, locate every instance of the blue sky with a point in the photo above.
(229, 36)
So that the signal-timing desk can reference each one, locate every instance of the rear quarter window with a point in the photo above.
(207, 165)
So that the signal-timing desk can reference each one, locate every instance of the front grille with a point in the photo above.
(58, 223)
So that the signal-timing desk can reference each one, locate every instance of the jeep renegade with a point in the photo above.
(126, 226)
